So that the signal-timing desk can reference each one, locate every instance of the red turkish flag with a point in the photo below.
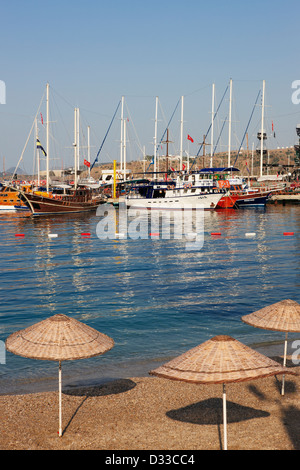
(190, 138)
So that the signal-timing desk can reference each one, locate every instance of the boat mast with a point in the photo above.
(89, 151)
(75, 147)
(181, 136)
(77, 141)
(124, 152)
(47, 137)
(229, 124)
(122, 129)
(212, 125)
(167, 142)
(155, 135)
(37, 152)
(262, 129)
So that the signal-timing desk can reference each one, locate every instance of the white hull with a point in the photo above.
(205, 201)
(4, 208)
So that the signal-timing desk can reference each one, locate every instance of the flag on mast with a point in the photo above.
(86, 163)
(39, 146)
(190, 138)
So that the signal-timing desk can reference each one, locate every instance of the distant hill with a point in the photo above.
(278, 159)
(10, 171)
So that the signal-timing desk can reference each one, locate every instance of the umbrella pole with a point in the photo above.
(284, 362)
(59, 391)
(224, 417)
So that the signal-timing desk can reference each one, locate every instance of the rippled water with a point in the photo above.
(152, 296)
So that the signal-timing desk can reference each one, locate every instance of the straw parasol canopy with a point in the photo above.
(58, 338)
(222, 359)
(281, 316)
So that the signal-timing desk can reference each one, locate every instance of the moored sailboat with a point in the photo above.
(72, 201)
(75, 199)
(186, 191)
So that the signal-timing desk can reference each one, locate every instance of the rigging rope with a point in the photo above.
(209, 127)
(96, 159)
(217, 143)
(157, 147)
(247, 128)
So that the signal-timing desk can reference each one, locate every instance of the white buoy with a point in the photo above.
(52, 235)
(250, 234)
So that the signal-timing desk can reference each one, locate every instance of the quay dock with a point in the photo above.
(285, 199)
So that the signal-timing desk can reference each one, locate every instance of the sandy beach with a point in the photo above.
(149, 413)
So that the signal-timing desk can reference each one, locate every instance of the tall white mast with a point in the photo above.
(75, 147)
(181, 136)
(77, 140)
(262, 129)
(122, 130)
(229, 124)
(37, 152)
(89, 150)
(212, 125)
(47, 137)
(155, 135)
(124, 151)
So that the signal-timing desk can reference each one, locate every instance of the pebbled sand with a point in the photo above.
(150, 413)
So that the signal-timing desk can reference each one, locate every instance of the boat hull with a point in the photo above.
(42, 205)
(227, 202)
(10, 201)
(252, 200)
(204, 201)
(7, 208)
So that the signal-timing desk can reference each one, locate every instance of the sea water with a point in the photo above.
(152, 295)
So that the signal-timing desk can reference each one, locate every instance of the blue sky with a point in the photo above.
(93, 52)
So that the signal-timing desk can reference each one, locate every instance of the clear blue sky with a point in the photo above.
(93, 52)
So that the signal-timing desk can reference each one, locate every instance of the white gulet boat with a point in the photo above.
(186, 191)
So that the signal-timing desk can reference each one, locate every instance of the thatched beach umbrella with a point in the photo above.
(281, 316)
(220, 360)
(58, 338)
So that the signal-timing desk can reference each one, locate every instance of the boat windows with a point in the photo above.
(159, 193)
(142, 191)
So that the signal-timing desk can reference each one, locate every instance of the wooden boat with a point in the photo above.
(10, 200)
(72, 201)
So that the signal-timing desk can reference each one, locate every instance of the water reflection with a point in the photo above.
(151, 295)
